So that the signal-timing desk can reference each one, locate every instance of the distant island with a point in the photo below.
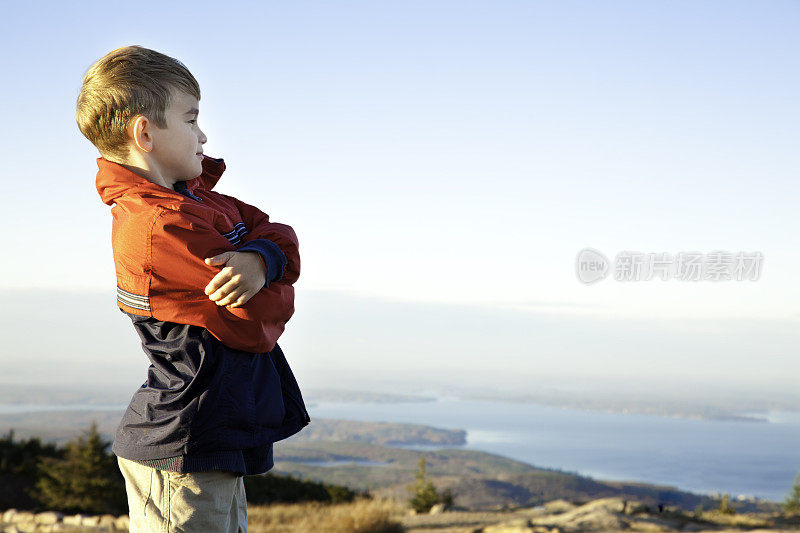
(356, 396)
(742, 409)
(644, 406)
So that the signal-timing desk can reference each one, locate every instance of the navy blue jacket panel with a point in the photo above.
(205, 400)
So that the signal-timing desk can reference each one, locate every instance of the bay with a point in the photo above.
(752, 459)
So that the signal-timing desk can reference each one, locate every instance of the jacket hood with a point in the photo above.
(114, 180)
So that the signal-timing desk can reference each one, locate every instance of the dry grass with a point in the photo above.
(749, 520)
(361, 516)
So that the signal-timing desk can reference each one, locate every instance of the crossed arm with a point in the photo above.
(269, 254)
(253, 266)
(244, 275)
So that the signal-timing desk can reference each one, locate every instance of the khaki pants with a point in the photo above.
(201, 502)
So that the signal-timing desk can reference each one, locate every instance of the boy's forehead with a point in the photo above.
(183, 103)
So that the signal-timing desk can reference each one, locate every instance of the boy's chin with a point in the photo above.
(198, 171)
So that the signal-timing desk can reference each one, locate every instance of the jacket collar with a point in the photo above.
(114, 180)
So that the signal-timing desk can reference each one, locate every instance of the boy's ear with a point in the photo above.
(139, 131)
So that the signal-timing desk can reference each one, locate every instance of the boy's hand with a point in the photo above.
(240, 279)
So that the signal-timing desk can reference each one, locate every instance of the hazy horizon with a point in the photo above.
(337, 340)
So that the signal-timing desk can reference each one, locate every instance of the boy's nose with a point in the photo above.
(202, 138)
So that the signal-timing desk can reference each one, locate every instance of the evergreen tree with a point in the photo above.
(85, 480)
(18, 470)
(425, 494)
(791, 505)
(725, 506)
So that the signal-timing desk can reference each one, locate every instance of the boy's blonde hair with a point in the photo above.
(124, 83)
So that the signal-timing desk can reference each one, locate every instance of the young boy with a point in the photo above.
(207, 282)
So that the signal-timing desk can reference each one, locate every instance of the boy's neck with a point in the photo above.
(141, 166)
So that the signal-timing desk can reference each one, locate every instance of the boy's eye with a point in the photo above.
(192, 121)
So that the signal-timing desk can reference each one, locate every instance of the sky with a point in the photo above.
(448, 159)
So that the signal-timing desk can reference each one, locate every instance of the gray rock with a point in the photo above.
(49, 518)
(598, 515)
(634, 508)
(123, 523)
(437, 509)
(24, 516)
(8, 516)
(90, 521)
(510, 527)
(27, 526)
(558, 506)
(74, 520)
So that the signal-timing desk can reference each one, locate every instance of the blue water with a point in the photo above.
(703, 456)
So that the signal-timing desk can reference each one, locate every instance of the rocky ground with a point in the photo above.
(559, 516)
(607, 514)
(13, 521)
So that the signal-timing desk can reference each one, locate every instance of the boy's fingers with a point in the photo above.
(221, 258)
(224, 291)
(241, 300)
(232, 297)
(244, 298)
(222, 277)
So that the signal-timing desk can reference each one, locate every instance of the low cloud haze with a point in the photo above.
(340, 340)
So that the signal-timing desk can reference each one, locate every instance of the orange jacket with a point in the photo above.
(161, 238)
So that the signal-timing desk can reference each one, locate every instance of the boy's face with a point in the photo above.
(177, 150)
